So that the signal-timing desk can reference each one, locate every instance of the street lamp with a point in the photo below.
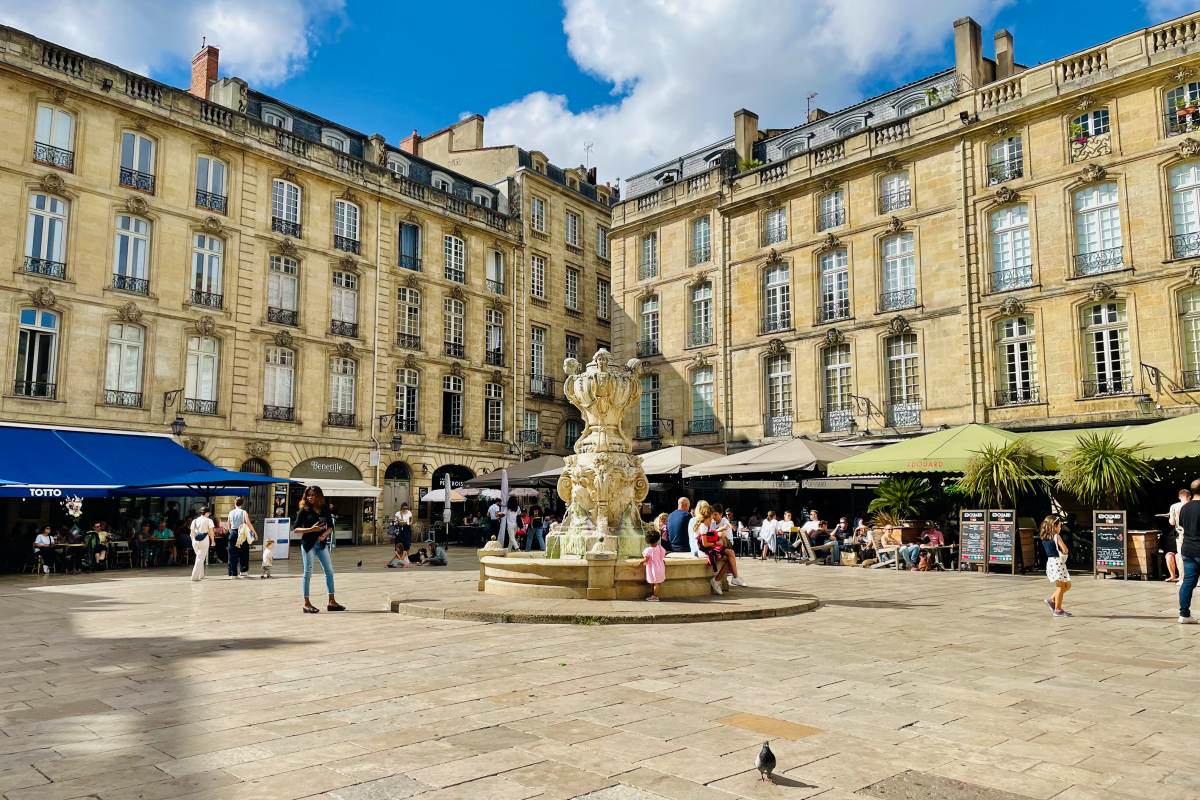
(383, 420)
(177, 426)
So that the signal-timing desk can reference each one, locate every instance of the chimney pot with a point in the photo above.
(204, 71)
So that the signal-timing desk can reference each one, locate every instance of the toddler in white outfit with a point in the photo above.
(268, 558)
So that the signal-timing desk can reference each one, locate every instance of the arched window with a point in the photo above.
(701, 250)
(46, 236)
(454, 253)
(1183, 108)
(831, 210)
(1185, 210)
(341, 391)
(1006, 160)
(777, 297)
(1189, 337)
(208, 253)
(903, 380)
(1106, 350)
(835, 285)
(1016, 362)
(899, 273)
(37, 354)
(572, 430)
(285, 207)
(453, 335)
(648, 408)
(441, 180)
(493, 336)
(279, 382)
(703, 419)
(345, 226)
(1089, 135)
(408, 397)
(54, 137)
(911, 106)
(210, 184)
(203, 371)
(894, 192)
(410, 245)
(131, 255)
(335, 139)
(700, 332)
(778, 369)
(123, 365)
(452, 405)
(1012, 255)
(137, 161)
(493, 412)
(345, 304)
(1097, 229)
(396, 164)
(648, 345)
(276, 117)
(481, 198)
(837, 411)
(408, 318)
(283, 290)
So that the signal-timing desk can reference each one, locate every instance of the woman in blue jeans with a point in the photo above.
(314, 525)
(535, 529)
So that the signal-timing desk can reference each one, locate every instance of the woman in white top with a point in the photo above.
(509, 524)
(767, 533)
(202, 534)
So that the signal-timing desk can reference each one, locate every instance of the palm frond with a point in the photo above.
(1101, 471)
(999, 475)
(903, 498)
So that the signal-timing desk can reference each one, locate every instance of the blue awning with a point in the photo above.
(44, 462)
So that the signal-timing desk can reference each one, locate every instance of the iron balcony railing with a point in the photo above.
(44, 266)
(194, 405)
(339, 419)
(1177, 123)
(115, 397)
(493, 435)
(700, 425)
(529, 436)
(141, 181)
(212, 201)
(777, 426)
(837, 417)
(541, 386)
(1185, 245)
(495, 287)
(833, 310)
(279, 413)
(409, 341)
(1001, 171)
(700, 335)
(1108, 387)
(648, 347)
(54, 156)
(454, 349)
(494, 358)
(774, 235)
(207, 299)
(340, 327)
(904, 413)
(1004, 280)
(407, 424)
(652, 430)
(42, 390)
(648, 269)
(283, 316)
(1098, 262)
(831, 219)
(776, 322)
(127, 283)
(452, 429)
(410, 262)
(700, 255)
(347, 244)
(900, 298)
(1018, 395)
(895, 200)
(456, 275)
(286, 227)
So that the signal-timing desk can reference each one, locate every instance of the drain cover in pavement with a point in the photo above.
(921, 786)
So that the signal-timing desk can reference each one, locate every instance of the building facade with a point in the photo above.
(994, 243)
(299, 294)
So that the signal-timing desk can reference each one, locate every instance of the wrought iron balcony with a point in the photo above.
(494, 358)
(44, 266)
(1098, 262)
(700, 255)
(1018, 395)
(1001, 171)
(279, 413)
(456, 275)
(1185, 245)
(286, 227)
(831, 219)
(452, 429)
(495, 287)
(837, 417)
(775, 322)
(207, 299)
(700, 335)
(212, 201)
(900, 298)
(1190, 379)
(541, 386)
(648, 347)
(339, 419)
(342, 328)
(283, 316)
(647, 269)
(347, 244)
(39, 389)
(1005, 280)
(1108, 387)
(777, 426)
(1177, 123)
(114, 397)
(651, 430)
(702, 425)
(834, 310)
(409, 341)
(54, 156)
(407, 424)
(493, 435)
(1085, 147)
(529, 436)
(904, 414)
(127, 283)
(895, 200)
(141, 181)
(410, 262)
(193, 405)
(455, 349)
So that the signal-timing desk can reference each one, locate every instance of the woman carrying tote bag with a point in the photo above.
(315, 525)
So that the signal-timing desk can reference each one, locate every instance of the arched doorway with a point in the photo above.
(397, 488)
(346, 494)
(458, 476)
(258, 502)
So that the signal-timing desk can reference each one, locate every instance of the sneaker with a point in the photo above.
(1050, 603)
(736, 582)
(45, 569)
(651, 599)
(1187, 620)
(716, 586)
(1061, 613)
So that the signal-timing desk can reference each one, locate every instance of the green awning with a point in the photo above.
(946, 451)
(1168, 439)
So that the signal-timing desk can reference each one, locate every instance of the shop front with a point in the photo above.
(351, 500)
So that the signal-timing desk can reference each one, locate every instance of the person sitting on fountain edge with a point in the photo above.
(676, 540)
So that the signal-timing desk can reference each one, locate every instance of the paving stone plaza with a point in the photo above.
(141, 684)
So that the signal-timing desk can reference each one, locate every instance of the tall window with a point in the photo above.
(777, 297)
(200, 386)
(1012, 256)
(1189, 335)
(572, 345)
(452, 405)
(46, 236)
(495, 271)
(137, 161)
(648, 409)
(894, 192)
(899, 273)
(537, 352)
(1185, 210)
(493, 412)
(775, 228)
(344, 310)
(1016, 362)
(279, 384)
(207, 254)
(601, 242)
(345, 226)
(1005, 160)
(701, 249)
(37, 354)
(537, 276)
(1089, 135)
(123, 365)
(537, 214)
(410, 245)
(452, 327)
(903, 376)
(530, 431)
(837, 412)
(283, 290)
(341, 391)
(572, 430)
(285, 207)
(408, 318)
(1097, 229)
(455, 258)
(408, 393)
(603, 295)
(572, 229)
(835, 285)
(703, 419)
(1106, 350)
(493, 336)
(831, 210)
(54, 137)
(648, 267)
(131, 255)
(779, 395)
(210, 184)
(700, 331)
(571, 286)
(1181, 105)
(648, 345)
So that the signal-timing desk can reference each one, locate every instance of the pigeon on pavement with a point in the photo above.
(765, 763)
(360, 565)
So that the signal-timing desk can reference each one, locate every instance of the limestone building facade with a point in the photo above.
(993, 243)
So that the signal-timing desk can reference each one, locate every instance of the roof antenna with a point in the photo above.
(203, 42)
(587, 153)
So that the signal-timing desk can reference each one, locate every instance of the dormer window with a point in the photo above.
(276, 117)
(794, 149)
(335, 139)
(441, 180)
(397, 166)
(849, 127)
(574, 184)
(539, 166)
(911, 106)
(667, 176)
(482, 198)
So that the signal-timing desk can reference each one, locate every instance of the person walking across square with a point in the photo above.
(1189, 554)
(202, 533)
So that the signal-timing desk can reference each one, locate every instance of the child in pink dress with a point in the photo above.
(654, 560)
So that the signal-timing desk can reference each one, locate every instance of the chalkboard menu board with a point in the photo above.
(1001, 536)
(972, 536)
(1109, 542)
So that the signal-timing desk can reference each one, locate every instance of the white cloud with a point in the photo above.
(263, 41)
(1163, 10)
(680, 68)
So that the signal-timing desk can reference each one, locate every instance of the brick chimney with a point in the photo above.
(204, 71)
(411, 143)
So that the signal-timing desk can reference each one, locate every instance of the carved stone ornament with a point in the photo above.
(258, 449)
(348, 196)
(828, 184)
(773, 256)
(411, 282)
(830, 242)
(456, 369)
(287, 248)
(347, 263)
(458, 294)
(1194, 274)
(458, 232)
(1005, 195)
(43, 298)
(140, 124)
(893, 165)
(1000, 130)
(243, 96)
(206, 325)
(1092, 173)
(212, 225)
(284, 339)
(214, 147)
(895, 225)
(1188, 148)
(775, 348)
(345, 349)
(898, 325)
(52, 182)
(1085, 102)
(410, 361)
(194, 444)
(1180, 75)
(288, 174)
(834, 337)
(1011, 306)
(129, 312)
(411, 217)
(699, 361)
(59, 95)
(136, 205)
(1102, 291)
(700, 278)
(497, 376)
(496, 303)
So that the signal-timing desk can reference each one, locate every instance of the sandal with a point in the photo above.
(335, 607)
(311, 610)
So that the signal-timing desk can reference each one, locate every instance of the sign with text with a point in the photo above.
(1109, 542)
(1002, 536)
(972, 536)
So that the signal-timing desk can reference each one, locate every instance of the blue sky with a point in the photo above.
(641, 81)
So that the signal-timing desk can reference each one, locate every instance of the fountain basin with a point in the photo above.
(592, 577)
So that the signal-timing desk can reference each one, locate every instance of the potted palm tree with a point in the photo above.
(998, 477)
(902, 500)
